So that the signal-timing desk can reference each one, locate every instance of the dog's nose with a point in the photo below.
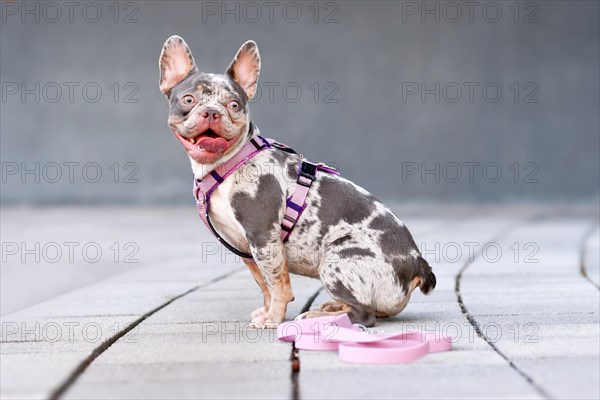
(211, 114)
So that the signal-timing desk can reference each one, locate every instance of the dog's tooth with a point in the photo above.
(193, 140)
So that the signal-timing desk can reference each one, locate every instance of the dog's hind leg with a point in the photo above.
(345, 300)
(332, 306)
(358, 314)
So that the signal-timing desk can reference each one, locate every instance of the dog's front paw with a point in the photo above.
(299, 317)
(258, 312)
(317, 314)
(264, 321)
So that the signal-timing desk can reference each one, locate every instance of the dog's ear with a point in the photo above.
(245, 67)
(176, 63)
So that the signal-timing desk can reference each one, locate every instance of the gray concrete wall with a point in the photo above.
(365, 58)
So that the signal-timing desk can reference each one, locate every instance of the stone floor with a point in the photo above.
(127, 303)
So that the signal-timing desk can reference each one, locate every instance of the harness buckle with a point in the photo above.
(265, 143)
(308, 171)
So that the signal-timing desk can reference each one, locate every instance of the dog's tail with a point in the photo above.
(427, 276)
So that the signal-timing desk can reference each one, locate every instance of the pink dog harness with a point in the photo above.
(355, 346)
(295, 204)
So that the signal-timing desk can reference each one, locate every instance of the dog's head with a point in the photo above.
(208, 113)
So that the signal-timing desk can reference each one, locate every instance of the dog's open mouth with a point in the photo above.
(209, 133)
(207, 141)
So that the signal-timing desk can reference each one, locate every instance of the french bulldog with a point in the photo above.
(363, 254)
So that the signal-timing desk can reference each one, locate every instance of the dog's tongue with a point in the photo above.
(213, 145)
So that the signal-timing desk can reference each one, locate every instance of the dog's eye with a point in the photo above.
(188, 99)
(234, 104)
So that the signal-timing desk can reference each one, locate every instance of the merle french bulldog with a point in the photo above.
(363, 254)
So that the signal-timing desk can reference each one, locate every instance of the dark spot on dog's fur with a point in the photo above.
(351, 252)
(428, 279)
(292, 171)
(303, 226)
(405, 271)
(251, 129)
(341, 240)
(402, 253)
(394, 239)
(342, 293)
(259, 215)
(408, 269)
(359, 313)
(279, 156)
(341, 201)
(286, 164)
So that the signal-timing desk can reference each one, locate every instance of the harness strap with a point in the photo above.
(209, 183)
(203, 188)
(295, 204)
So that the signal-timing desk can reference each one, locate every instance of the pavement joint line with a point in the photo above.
(524, 314)
(294, 356)
(72, 378)
(582, 252)
(472, 320)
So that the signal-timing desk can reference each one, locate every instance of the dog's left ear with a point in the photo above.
(245, 67)
(176, 63)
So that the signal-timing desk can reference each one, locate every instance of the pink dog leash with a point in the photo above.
(356, 346)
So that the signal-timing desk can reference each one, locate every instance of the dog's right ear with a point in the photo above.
(176, 63)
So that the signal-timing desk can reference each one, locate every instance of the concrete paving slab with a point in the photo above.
(537, 314)
(472, 360)
(59, 247)
(92, 314)
(204, 329)
(183, 380)
(414, 381)
(200, 346)
(574, 377)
